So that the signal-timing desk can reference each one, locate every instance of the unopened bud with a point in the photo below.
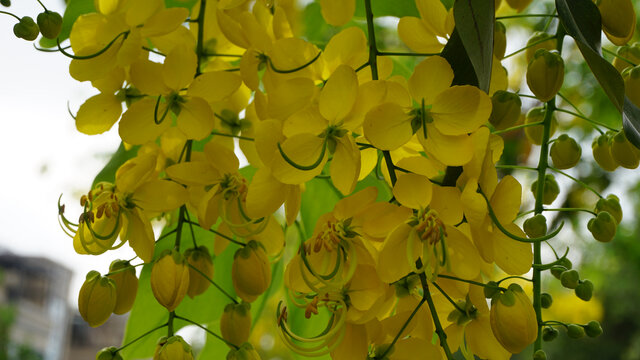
(499, 40)
(575, 331)
(50, 24)
(623, 152)
(618, 20)
(170, 279)
(506, 109)
(584, 290)
(251, 271)
(108, 353)
(545, 74)
(26, 29)
(235, 323)
(542, 40)
(546, 300)
(565, 152)
(550, 191)
(200, 259)
(549, 334)
(534, 133)
(611, 205)
(601, 147)
(570, 279)
(540, 355)
(519, 5)
(124, 276)
(593, 329)
(97, 299)
(603, 227)
(535, 226)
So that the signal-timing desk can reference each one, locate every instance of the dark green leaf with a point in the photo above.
(74, 9)
(456, 55)
(581, 20)
(108, 172)
(398, 8)
(474, 22)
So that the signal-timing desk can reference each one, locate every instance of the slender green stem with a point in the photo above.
(10, 14)
(214, 283)
(477, 283)
(571, 210)
(200, 40)
(390, 53)
(525, 16)
(442, 335)
(141, 336)
(123, 269)
(193, 235)
(232, 136)
(181, 221)
(289, 71)
(447, 297)
(221, 235)
(100, 52)
(593, 122)
(304, 167)
(207, 330)
(153, 51)
(619, 56)
(50, 50)
(44, 7)
(516, 127)
(513, 277)
(362, 66)
(516, 167)
(582, 183)
(404, 326)
(167, 234)
(170, 331)
(528, 46)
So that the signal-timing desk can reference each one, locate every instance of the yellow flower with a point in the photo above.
(170, 279)
(421, 34)
(97, 299)
(513, 319)
(251, 271)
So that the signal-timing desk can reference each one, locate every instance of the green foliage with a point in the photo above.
(108, 172)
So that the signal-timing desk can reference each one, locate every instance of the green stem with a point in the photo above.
(213, 283)
(44, 7)
(583, 184)
(571, 210)
(123, 269)
(193, 235)
(10, 14)
(525, 16)
(141, 336)
(516, 127)
(289, 71)
(100, 52)
(619, 56)
(513, 277)
(477, 283)
(390, 53)
(447, 297)
(221, 235)
(528, 46)
(200, 41)
(592, 122)
(222, 55)
(517, 167)
(404, 326)
(181, 221)
(165, 235)
(232, 136)
(207, 330)
(170, 332)
(426, 294)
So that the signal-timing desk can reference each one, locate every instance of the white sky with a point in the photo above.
(43, 155)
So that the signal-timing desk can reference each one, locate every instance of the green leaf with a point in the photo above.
(456, 55)
(188, 4)
(108, 172)
(75, 8)
(398, 8)
(474, 22)
(581, 20)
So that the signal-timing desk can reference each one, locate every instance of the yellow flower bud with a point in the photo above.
(513, 320)
(534, 133)
(611, 205)
(97, 299)
(601, 147)
(235, 323)
(200, 259)
(245, 352)
(603, 227)
(565, 152)
(170, 279)
(173, 348)
(108, 353)
(124, 276)
(630, 53)
(542, 40)
(506, 109)
(519, 5)
(251, 271)
(545, 74)
(499, 40)
(618, 20)
(631, 78)
(623, 152)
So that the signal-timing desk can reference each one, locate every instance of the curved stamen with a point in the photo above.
(86, 57)
(304, 167)
(289, 71)
(50, 50)
(155, 111)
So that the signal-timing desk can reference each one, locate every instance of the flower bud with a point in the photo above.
(611, 205)
(6, 3)
(200, 259)
(549, 333)
(26, 29)
(235, 323)
(603, 227)
(251, 271)
(546, 300)
(565, 152)
(170, 279)
(50, 24)
(584, 290)
(499, 40)
(173, 348)
(535, 226)
(519, 5)
(540, 355)
(534, 133)
(108, 353)
(631, 53)
(575, 331)
(545, 74)
(570, 279)
(623, 152)
(126, 285)
(601, 147)
(244, 352)
(491, 289)
(593, 329)
(551, 189)
(97, 299)
(618, 20)
(515, 326)
(506, 109)
(542, 40)
(557, 270)
(631, 78)
(566, 263)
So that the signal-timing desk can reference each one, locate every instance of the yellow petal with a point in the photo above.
(179, 67)
(265, 194)
(221, 157)
(146, 76)
(215, 85)
(267, 136)
(434, 15)
(348, 47)
(408, 348)
(413, 191)
(308, 120)
(463, 256)
(393, 263)
(430, 77)
(193, 173)
(98, 114)
(460, 110)
(513, 257)
(449, 150)
(353, 205)
(415, 34)
(446, 201)
(506, 199)
(196, 118)
(345, 166)
(289, 96)
(173, 196)
(303, 149)
(387, 126)
(209, 211)
(339, 94)
(140, 235)
(164, 21)
(138, 126)
(337, 12)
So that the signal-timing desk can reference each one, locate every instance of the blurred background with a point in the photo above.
(44, 156)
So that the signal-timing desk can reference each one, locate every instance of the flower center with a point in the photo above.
(330, 235)
(233, 185)
(429, 226)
